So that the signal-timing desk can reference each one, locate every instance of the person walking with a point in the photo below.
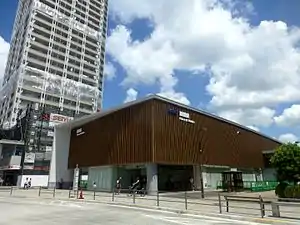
(29, 183)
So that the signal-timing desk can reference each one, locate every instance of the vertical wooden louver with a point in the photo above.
(151, 131)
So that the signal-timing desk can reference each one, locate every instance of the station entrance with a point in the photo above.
(174, 177)
(130, 174)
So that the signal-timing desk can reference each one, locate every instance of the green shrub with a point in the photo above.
(292, 191)
(280, 189)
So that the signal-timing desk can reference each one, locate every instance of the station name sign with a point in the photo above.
(79, 132)
(183, 116)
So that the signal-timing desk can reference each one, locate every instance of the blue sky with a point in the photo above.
(221, 58)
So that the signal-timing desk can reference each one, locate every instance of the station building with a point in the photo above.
(160, 140)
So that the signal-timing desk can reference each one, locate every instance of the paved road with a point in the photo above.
(41, 211)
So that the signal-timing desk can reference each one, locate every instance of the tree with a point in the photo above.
(286, 161)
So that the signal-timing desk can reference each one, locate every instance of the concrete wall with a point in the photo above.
(59, 161)
(36, 180)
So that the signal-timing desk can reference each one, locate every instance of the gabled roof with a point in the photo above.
(83, 120)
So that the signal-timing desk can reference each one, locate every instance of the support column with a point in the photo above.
(197, 177)
(152, 179)
(59, 160)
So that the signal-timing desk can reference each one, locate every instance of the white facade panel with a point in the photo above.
(60, 154)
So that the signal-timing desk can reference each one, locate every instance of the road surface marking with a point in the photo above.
(207, 219)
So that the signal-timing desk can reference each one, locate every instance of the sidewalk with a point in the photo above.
(209, 205)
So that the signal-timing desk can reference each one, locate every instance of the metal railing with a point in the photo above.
(179, 201)
(286, 208)
(250, 202)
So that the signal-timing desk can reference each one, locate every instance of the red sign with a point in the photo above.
(41, 168)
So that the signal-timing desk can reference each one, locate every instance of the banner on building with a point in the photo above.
(28, 167)
(56, 119)
(76, 178)
(29, 157)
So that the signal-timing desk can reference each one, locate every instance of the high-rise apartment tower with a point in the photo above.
(55, 63)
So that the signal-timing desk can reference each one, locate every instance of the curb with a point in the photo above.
(266, 220)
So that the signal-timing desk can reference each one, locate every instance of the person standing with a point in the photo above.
(118, 185)
(192, 184)
(94, 185)
(26, 183)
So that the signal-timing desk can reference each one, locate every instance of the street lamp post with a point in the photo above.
(201, 175)
(203, 129)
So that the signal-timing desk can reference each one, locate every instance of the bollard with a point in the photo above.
(185, 200)
(262, 206)
(227, 204)
(220, 203)
(40, 189)
(94, 195)
(11, 190)
(113, 195)
(275, 209)
(157, 198)
(53, 192)
(70, 193)
(133, 196)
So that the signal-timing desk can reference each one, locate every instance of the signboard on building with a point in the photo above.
(50, 134)
(29, 157)
(76, 178)
(28, 167)
(56, 119)
(79, 132)
(49, 148)
(183, 116)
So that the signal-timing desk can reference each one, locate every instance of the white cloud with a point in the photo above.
(288, 138)
(4, 49)
(289, 117)
(175, 96)
(250, 117)
(109, 70)
(131, 95)
(250, 67)
(253, 128)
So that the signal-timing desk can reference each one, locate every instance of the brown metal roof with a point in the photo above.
(86, 119)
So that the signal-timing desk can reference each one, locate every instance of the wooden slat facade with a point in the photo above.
(147, 132)
(119, 138)
(208, 141)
